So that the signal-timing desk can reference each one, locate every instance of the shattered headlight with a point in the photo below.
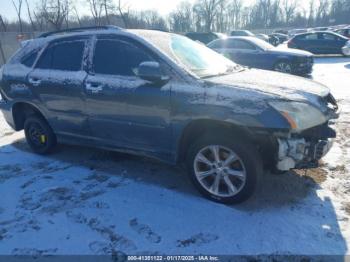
(300, 116)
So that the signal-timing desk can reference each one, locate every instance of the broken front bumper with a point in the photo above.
(299, 154)
(306, 149)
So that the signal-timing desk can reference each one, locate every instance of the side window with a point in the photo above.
(29, 59)
(114, 57)
(311, 37)
(328, 37)
(216, 44)
(231, 44)
(244, 45)
(300, 37)
(45, 60)
(65, 56)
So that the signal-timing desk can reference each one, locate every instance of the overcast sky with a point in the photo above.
(162, 6)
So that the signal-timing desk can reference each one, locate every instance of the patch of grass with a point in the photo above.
(318, 175)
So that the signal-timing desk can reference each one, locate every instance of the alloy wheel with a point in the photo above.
(220, 171)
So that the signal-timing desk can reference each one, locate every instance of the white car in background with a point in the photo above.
(346, 49)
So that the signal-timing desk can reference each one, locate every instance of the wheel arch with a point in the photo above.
(21, 111)
(203, 126)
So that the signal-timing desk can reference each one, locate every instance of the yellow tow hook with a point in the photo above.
(43, 139)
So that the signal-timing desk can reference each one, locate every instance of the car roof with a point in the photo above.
(29, 45)
(320, 32)
(99, 30)
(245, 38)
(239, 38)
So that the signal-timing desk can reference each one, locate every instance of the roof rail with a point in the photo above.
(79, 29)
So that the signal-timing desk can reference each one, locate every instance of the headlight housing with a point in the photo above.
(300, 116)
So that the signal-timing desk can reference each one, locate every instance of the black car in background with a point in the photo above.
(241, 33)
(281, 37)
(344, 31)
(256, 53)
(319, 42)
(205, 38)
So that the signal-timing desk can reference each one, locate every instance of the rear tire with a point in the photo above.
(218, 178)
(39, 135)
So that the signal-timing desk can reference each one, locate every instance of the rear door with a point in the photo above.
(57, 80)
(123, 109)
(331, 44)
(309, 42)
(244, 53)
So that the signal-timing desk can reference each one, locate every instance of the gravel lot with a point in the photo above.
(86, 201)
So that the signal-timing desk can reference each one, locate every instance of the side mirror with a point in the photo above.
(151, 71)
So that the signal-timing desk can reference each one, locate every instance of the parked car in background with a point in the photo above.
(256, 53)
(344, 32)
(346, 49)
(241, 33)
(318, 29)
(273, 40)
(319, 42)
(281, 31)
(165, 96)
(205, 38)
(292, 33)
(263, 37)
(281, 37)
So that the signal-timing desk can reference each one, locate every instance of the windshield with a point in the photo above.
(200, 60)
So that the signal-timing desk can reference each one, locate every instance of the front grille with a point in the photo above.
(310, 60)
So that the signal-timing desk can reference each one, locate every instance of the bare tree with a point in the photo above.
(322, 12)
(221, 19)
(18, 6)
(30, 17)
(55, 12)
(77, 15)
(124, 12)
(96, 9)
(3, 24)
(235, 12)
(208, 9)
(289, 8)
(107, 6)
(181, 19)
(311, 12)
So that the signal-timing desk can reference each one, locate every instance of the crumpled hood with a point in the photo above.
(274, 85)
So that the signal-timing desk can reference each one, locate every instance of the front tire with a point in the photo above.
(39, 135)
(224, 169)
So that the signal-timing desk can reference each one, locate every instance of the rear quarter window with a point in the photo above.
(29, 59)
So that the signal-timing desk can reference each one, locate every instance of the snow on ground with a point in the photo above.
(87, 201)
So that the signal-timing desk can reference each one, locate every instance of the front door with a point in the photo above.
(123, 109)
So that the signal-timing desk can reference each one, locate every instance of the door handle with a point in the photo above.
(93, 88)
(34, 81)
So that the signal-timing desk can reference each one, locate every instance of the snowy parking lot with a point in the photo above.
(87, 201)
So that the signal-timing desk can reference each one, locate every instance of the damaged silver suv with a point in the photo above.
(164, 96)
